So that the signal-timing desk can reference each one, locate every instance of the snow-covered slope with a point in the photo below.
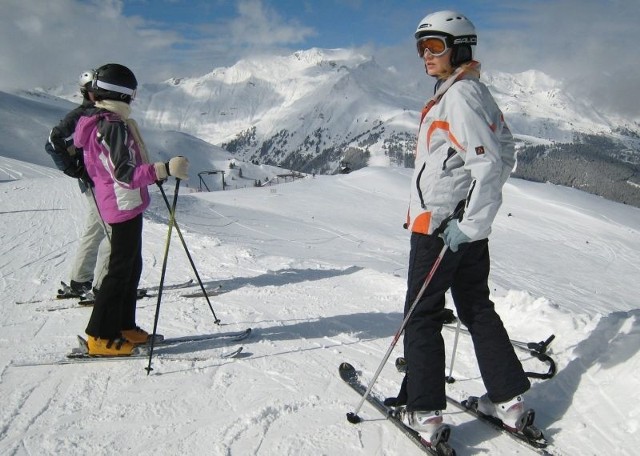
(318, 269)
(27, 118)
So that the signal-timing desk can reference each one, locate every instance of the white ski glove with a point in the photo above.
(177, 167)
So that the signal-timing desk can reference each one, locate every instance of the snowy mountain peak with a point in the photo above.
(529, 81)
(312, 108)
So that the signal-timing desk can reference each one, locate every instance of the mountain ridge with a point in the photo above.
(329, 110)
(343, 93)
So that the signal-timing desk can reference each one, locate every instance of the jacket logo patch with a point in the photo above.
(480, 150)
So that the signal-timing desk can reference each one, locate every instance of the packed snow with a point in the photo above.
(317, 268)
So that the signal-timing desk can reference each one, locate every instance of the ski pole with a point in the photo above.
(172, 215)
(193, 266)
(353, 416)
(450, 379)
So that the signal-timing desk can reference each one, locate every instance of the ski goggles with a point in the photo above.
(436, 45)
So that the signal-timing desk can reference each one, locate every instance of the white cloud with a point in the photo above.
(589, 45)
(257, 24)
(45, 43)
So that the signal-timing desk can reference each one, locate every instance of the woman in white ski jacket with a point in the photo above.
(464, 156)
(465, 152)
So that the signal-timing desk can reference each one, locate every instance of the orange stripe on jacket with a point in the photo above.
(422, 223)
(442, 125)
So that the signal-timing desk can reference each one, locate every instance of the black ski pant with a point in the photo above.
(115, 305)
(466, 273)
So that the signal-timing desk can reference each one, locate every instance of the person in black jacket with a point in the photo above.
(92, 257)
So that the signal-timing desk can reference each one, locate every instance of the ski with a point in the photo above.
(143, 352)
(89, 299)
(173, 286)
(145, 293)
(199, 294)
(233, 353)
(529, 435)
(440, 446)
(80, 355)
(234, 336)
(161, 341)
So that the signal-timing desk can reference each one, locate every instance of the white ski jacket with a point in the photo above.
(465, 151)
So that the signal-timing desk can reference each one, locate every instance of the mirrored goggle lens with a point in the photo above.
(435, 45)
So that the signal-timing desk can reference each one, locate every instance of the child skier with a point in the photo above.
(116, 160)
(92, 256)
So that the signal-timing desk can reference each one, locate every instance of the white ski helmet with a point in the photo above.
(84, 81)
(458, 31)
(85, 78)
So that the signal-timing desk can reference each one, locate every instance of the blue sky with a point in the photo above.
(589, 44)
(313, 23)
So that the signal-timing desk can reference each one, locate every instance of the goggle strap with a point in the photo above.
(115, 88)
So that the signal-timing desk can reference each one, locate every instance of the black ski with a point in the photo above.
(80, 355)
(440, 446)
(529, 435)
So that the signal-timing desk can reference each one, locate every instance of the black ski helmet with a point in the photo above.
(114, 82)
(456, 28)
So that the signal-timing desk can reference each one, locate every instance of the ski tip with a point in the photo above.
(233, 353)
(347, 372)
(345, 366)
(352, 417)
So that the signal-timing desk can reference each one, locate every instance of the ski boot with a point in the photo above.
(430, 426)
(139, 336)
(513, 416)
(80, 288)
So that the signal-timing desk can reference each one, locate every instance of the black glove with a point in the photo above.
(76, 171)
(86, 180)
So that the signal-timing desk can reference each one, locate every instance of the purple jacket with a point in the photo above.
(114, 163)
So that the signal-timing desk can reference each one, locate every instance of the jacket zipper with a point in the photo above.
(422, 205)
(450, 153)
